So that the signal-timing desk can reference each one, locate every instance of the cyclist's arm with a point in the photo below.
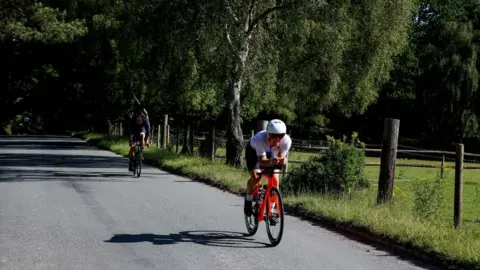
(285, 147)
(264, 162)
(262, 155)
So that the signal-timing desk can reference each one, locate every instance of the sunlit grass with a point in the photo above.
(395, 220)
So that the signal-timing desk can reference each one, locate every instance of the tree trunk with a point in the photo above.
(206, 148)
(186, 147)
(234, 130)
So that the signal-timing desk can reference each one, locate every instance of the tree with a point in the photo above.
(22, 47)
(239, 31)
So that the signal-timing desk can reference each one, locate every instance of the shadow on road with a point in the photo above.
(209, 238)
(62, 160)
(43, 144)
(37, 158)
(49, 175)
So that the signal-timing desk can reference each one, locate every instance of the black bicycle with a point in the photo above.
(137, 160)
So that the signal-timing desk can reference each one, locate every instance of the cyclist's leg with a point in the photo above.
(253, 169)
(142, 136)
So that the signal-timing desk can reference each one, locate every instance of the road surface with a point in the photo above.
(67, 205)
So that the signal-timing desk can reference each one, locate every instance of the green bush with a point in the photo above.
(338, 170)
(428, 198)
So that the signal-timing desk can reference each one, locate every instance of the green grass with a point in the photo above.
(401, 173)
(395, 221)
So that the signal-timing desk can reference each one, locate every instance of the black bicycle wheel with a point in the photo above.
(277, 216)
(251, 221)
(139, 165)
(134, 166)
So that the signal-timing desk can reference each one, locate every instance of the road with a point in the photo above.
(67, 205)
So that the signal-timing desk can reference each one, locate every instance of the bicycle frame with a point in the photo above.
(271, 182)
(137, 148)
(137, 153)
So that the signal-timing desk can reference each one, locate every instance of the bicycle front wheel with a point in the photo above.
(251, 221)
(274, 221)
(134, 166)
(139, 166)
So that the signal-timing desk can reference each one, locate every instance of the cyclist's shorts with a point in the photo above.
(252, 158)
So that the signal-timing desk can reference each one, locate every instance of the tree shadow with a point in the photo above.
(61, 160)
(30, 151)
(50, 175)
(42, 144)
(209, 238)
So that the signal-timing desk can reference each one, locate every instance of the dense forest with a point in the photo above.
(325, 67)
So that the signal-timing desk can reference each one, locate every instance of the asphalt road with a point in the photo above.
(66, 205)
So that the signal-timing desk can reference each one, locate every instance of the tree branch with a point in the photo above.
(249, 15)
(265, 14)
(230, 10)
(227, 32)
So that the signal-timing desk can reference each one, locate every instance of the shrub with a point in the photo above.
(338, 170)
(428, 198)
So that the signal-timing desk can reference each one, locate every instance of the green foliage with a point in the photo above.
(339, 170)
(428, 198)
(41, 23)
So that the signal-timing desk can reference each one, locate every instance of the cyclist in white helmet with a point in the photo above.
(259, 154)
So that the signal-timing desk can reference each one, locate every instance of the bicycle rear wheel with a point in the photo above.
(275, 220)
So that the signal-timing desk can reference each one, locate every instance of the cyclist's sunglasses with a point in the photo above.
(276, 136)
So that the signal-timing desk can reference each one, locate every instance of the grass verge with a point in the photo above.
(394, 223)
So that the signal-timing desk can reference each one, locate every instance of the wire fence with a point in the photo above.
(425, 157)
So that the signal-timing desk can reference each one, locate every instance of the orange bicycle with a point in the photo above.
(268, 195)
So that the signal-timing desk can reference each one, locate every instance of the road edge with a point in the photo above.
(361, 233)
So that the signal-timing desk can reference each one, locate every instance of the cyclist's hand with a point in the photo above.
(274, 161)
(148, 143)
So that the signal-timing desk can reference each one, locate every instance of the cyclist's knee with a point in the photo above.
(251, 184)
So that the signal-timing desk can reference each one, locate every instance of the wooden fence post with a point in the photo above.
(457, 208)
(168, 134)
(191, 139)
(164, 137)
(158, 136)
(442, 167)
(178, 139)
(387, 162)
(212, 144)
(152, 134)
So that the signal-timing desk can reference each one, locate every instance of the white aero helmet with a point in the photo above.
(276, 126)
